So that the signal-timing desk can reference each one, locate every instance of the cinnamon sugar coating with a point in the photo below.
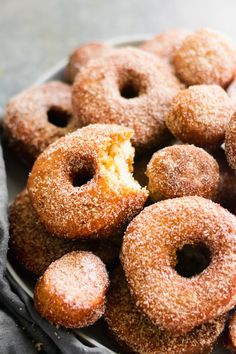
(129, 87)
(199, 115)
(205, 57)
(231, 340)
(165, 44)
(26, 123)
(230, 142)
(149, 257)
(182, 170)
(100, 206)
(71, 292)
(82, 55)
(136, 334)
(36, 249)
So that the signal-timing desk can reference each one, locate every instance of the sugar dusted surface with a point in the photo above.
(135, 332)
(199, 115)
(82, 55)
(230, 142)
(149, 257)
(165, 44)
(35, 248)
(100, 208)
(26, 123)
(71, 292)
(96, 94)
(182, 170)
(205, 57)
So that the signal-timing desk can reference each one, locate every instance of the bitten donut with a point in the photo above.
(82, 185)
(136, 334)
(153, 251)
(165, 44)
(129, 87)
(82, 55)
(71, 292)
(182, 170)
(35, 249)
(37, 117)
(231, 340)
(199, 115)
(205, 57)
(230, 142)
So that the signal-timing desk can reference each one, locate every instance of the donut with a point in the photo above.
(38, 116)
(230, 142)
(231, 338)
(199, 115)
(231, 90)
(182, 170)
(165, 44)
(82, 185)
(205, 57)
(136, 334)
(129, 87)
(82, 55)
(35, 249)
(154, 248)
(226, 191)
(71, 292)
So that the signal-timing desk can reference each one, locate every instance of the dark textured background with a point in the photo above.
(35, 35)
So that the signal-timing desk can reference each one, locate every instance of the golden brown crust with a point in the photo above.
(82, 55)
(131, 329)
(165, 44)
(149, 257)
(98, 94)
(199, 115)
(230, 142)
(26, 124)
(36, 249)
(99, 208)
(231, 338)
(71, 292)
(205, 57)
(182, 170)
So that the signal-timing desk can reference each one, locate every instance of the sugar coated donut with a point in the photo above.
(182, 170)
(35, 249)
(82, 185)
(71, 292)
(231, 90)
(230, 142)
(205, 57)
(129, 87)
(37, 117)
(136, 334)
(165, 44)
(199, 115)
(82, 55)
(153, 252)
(231, 340)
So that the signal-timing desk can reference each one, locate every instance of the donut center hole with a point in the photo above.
(129, 89)
(82, 176)
(58, 117)
(192, 260)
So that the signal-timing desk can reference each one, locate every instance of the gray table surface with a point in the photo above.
(34, 35)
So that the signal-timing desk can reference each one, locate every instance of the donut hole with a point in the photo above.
(82, 175)
(129, 89)
(192, 260)
(58, 117)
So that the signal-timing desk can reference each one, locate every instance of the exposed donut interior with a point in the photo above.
(117, 163)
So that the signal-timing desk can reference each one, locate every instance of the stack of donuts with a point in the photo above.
(129, 209)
